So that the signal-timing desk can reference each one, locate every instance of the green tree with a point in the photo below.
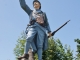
(57, 52)
(19, 48)
(78, 49)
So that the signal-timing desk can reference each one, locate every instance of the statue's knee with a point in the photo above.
(29, 39)
(40, 47)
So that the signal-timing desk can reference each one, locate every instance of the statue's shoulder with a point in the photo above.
(43, 12)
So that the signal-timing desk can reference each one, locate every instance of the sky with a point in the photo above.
(13, 21)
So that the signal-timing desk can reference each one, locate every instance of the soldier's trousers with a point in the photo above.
(32, 31)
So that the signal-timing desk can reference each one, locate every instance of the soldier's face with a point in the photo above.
(36, 5)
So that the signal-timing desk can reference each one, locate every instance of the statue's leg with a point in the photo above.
(40, 40)
(30, 36)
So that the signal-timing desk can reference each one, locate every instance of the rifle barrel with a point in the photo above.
(62, 26)
(59, 28)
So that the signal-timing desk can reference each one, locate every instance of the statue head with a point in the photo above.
(36, 4)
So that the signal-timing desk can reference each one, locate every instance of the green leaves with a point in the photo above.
(78, 49)
(19, 49)
(56, 51)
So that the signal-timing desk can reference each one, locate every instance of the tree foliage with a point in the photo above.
(19, 48)
(78, 49)
(56, 51)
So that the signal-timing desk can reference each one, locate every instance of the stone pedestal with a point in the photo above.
(31, 57)
(24, 59)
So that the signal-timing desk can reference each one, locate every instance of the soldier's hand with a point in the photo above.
(49, 34)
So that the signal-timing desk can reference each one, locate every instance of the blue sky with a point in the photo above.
(13, 21)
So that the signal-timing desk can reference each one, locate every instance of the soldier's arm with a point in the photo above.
(47, 24)
(25, 6)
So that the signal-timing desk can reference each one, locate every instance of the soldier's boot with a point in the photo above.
(26, 56)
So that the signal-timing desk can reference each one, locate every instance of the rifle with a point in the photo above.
(59, 28)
